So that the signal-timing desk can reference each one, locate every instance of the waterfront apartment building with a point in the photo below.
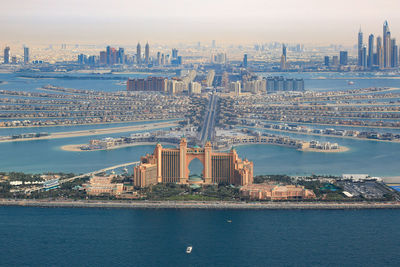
(255, 86)
(235, 87)
(279, 83)
(158, 84)
(194, 88)
(171, 165)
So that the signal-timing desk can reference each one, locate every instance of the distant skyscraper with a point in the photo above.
(364, 57)
(335, 61)
(283, 57)
(245, 61)
(394, 56)
(386, 45)
(379, 53)
(284, 49)
(326, 61)
(121, 56)
(174, 53)
(147, 53)
(370, 58)
(158, 58)
(26, 55)
(138, 54)
(7, 55)
(108, 52)
(360, 46)
(343, 58)
(213, 44)
(103, 57)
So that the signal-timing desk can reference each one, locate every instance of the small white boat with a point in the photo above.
(229, 221)
(189, 249)
(350, 83)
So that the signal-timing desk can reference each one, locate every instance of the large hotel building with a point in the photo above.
(171, 165)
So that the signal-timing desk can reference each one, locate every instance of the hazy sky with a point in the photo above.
(172, 21)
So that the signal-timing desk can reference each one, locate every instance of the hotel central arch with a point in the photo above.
(171, 165)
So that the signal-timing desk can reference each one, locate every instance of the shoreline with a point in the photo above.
(323, 135)
(76, 147)
(215, 205)
(307, 149)
(92, 132)
(93, 123)
(332, 125)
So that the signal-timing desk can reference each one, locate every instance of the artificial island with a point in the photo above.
(254, 97)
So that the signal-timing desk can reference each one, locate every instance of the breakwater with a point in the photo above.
(201, 205)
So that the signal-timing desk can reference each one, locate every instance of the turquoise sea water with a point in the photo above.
(117, 237)
(372, 157)
(14, 81)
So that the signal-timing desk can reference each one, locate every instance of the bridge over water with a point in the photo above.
(38, 188)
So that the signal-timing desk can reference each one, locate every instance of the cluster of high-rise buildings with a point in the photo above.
(113, 56)
(7, 58)
(382, 52)
(337, 61)
(267, 85)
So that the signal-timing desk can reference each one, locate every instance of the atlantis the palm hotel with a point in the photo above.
(171, 165)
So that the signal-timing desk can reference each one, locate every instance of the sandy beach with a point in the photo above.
(112, 130)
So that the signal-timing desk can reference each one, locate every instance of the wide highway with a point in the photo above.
(207, 131)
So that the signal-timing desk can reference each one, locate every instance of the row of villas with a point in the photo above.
(334, 132)
(275, 140)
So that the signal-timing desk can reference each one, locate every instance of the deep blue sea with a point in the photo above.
(118, 237)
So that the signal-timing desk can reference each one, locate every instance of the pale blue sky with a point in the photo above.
(231, 21)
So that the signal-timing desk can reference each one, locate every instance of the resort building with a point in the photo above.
(276, 192)
(100, 185)
(171, 165)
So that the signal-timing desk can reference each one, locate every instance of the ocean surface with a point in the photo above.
(371, 157)
(117, 237)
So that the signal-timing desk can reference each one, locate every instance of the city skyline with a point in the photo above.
(185, 21)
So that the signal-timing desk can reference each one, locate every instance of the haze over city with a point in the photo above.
(126, 22)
